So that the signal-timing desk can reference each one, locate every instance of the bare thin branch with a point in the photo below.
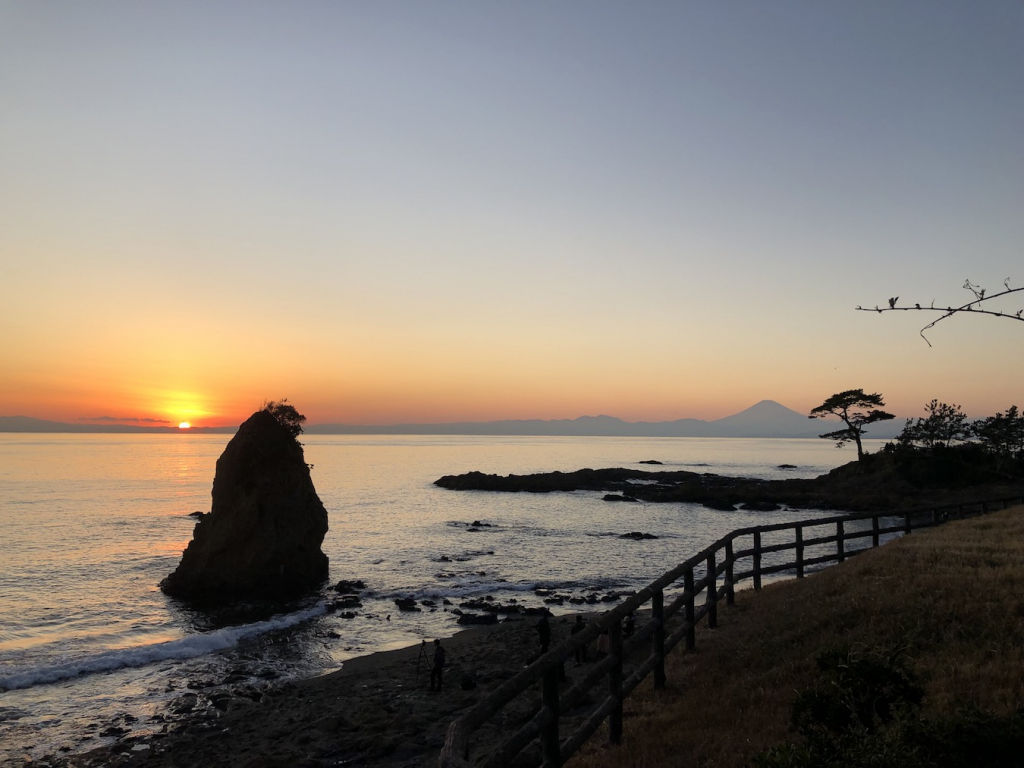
(972, 306)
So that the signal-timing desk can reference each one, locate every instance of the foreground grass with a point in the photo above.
(949, 600)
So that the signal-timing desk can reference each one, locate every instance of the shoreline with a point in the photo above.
(376, 710)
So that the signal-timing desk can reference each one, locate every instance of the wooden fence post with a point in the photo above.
(691, 636)
(757, 560)
(615, 683)
(840, 541)
(658, 616)
(799, 551)
(711, 596)
(906, 524)
(874, 531)
(730, 591)
(549, 736)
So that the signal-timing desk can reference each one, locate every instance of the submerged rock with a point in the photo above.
(263, 534)
(478, 618)
(761, 506)
(721, 506)
(350, 587)
(406, 604)
(346, 601)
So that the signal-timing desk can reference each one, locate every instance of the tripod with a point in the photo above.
(421, 657)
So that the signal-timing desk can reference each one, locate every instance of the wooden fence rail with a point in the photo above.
(809, 541)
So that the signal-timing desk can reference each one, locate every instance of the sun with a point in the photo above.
(184, 425)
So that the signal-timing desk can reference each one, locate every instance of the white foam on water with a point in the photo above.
(185, 648)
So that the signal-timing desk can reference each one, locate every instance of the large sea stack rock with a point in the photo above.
(262, 537)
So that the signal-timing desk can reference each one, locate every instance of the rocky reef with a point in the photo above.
(885, 481)
(262, 537)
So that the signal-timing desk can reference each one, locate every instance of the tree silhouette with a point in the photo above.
(973, 306)
(943, 424)
(286, 414)
(1002, 434)
(857, 410)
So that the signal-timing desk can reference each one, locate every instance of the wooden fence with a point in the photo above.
(745, 554)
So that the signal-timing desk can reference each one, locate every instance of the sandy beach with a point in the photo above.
(377, 710)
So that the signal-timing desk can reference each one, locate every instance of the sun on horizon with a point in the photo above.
(184, 425)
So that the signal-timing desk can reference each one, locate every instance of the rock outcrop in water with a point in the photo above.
(262, 537)
(883, 482)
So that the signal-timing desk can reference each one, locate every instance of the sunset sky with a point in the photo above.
(437, 211)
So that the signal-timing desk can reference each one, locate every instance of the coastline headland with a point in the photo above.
(876, 484)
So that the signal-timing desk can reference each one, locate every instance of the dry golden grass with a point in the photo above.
(951, 598)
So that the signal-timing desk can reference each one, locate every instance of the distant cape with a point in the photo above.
(766, 419)
(29, 424)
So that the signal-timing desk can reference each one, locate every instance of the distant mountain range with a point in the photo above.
(766, 419)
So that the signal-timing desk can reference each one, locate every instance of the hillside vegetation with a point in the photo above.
(937, 617)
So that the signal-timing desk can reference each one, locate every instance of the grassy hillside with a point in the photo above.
(945, 604)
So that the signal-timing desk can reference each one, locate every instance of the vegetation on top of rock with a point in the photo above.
(1003, 434)
(945, 448)
(943, 424)
(286, 414)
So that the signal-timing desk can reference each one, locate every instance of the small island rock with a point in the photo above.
(347, 587)
(263, 534)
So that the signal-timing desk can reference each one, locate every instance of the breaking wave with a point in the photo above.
(139, 656)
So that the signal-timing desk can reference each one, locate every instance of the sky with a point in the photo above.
(397, 212)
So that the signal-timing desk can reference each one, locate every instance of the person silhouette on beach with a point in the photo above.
(435, 672)
(604, 645)
(581, 652)
(544, 632)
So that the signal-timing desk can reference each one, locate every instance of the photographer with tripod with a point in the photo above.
(436, 670)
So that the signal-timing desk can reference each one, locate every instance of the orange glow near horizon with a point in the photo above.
(424, 397)
(375, 377)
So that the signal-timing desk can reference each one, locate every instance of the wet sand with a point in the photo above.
(376, 711)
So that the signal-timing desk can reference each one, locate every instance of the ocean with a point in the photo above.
(90, 524)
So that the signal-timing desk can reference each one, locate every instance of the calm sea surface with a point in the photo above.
(89, 525)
